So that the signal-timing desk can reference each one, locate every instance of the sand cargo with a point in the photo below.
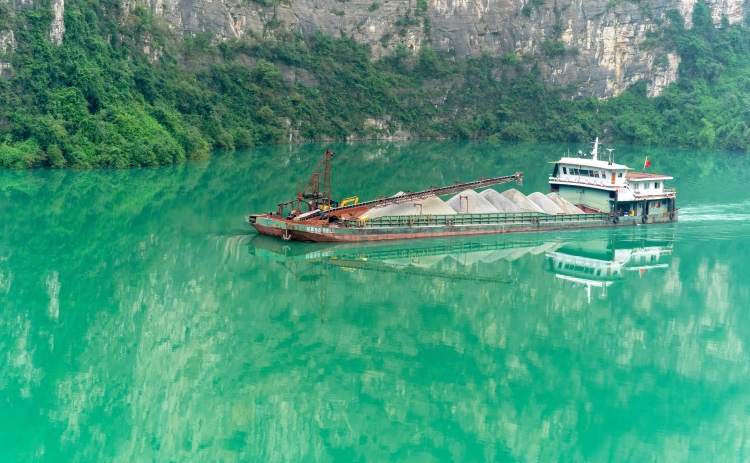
(586, 192)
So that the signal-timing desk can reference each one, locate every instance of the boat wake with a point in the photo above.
(232, 245)
(737, 212)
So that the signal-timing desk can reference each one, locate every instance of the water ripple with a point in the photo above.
(735, 212)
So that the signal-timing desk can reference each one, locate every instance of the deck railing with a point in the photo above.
(472, 219)
(601, 182)
(645, 194)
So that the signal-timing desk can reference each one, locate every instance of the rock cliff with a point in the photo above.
(598, 46)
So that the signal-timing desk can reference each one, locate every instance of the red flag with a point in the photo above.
(646, 164)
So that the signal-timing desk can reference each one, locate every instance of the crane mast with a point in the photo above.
(316, 194)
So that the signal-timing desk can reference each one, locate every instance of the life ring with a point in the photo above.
(644, 219)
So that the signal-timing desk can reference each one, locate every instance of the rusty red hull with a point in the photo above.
(333, 238)
(314, 232)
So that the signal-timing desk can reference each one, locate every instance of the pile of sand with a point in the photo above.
(564, 204)
(520, 200)
(546, 204)
(470, 258)
(470, 202)
(429, 206)
(500, 202)
(489, 201)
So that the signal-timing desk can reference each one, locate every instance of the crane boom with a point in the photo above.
(434, 191)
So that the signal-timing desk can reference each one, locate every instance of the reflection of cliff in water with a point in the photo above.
(127, 335)
(215, 354)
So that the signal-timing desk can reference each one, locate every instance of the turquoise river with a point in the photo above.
(140, 321)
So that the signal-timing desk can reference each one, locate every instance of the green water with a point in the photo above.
(140, 322)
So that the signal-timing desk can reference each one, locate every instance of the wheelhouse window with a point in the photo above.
(565, 170)
(656, 185)
(636, 186)
(619, 175)
(646, 185)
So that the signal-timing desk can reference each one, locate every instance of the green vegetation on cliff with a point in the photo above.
(708, 107)
(123, 90)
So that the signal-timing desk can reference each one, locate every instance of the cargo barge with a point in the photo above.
(603, 193)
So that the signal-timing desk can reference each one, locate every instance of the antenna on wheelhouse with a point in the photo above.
(611, 156)
(595, 152)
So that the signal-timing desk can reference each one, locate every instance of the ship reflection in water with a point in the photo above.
(595, 263)
(599, 263)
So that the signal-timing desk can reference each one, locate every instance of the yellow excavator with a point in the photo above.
(353, 200)
(344, 202)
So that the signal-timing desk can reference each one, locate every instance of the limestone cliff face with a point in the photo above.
(599, 46)
(58, 23)
(7, 44)
(600, 43)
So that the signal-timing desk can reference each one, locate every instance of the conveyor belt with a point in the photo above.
(436, 191)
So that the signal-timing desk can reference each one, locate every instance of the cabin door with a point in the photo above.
(613, 178)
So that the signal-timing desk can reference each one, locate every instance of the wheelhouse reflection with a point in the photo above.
(599, 263)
